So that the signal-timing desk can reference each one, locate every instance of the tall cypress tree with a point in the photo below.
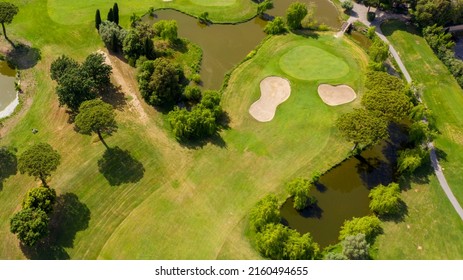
(111, 15)
(116, 13)
(97, 19)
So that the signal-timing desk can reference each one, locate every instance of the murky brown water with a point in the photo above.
(7, 89)
(226, 45)
(342, 193)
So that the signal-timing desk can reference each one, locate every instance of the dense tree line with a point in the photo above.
(79, 82)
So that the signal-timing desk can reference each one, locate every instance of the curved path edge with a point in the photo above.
(359, 13)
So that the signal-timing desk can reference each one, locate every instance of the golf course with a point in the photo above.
(149, 196)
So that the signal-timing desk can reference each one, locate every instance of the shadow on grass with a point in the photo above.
(119, 166)
(69, 216)
(23, 56)
(8, 164)
(399, 217)
(115, 96)
(215, 139)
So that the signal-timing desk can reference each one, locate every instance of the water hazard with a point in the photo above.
(225, 45)
(8, 96)
(342, 194)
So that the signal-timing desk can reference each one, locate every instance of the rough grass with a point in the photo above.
(176, 202)
(312, 63)
(221, 11)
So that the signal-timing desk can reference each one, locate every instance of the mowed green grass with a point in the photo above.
(312, 63)
(191, 203)
(441, 94)
(83, 11)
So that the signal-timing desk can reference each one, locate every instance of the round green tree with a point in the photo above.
(385, 200)
(299, 189)
(7, 13)
(41, 198)
(96, 116)
(295, 14)
(356, 247)
(30, 225)
(368, 225)
(39, 161)
(266, 211)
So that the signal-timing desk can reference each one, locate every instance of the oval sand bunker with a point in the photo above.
(336, 95)
(273, 92)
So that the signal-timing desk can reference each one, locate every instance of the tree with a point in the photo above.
(437, 37)
(370, 226)
(370, 3)
(393, 105)
(347, 5)
(299, 189)
(420, 132)
(204, 18)
(378, 51)
(75, 87)
(112, 35)
(41, 198)
(275, 27)
(362, 127)
(161, 82)
(410, 159)
(335, 256)
(116, 14)
(60, 66)
(356, 247)
(381, 80)
(39, 161)
(264, 6)
(295, 14)
(429, 12)
(192, 93)
(300, 247)
(110, 16)
(266, 211)
(7, 13)
(166, 29)
(30, 225)
(132, 46)
(385, 200)
(96, 69)
(97, 19)
(96, 116)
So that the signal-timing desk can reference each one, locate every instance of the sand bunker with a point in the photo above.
(273, 92)
(336, 95)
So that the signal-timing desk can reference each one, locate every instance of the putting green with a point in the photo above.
(312, 63)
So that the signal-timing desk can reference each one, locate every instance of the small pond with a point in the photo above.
(225, 45)
(342, 194)
(8, 96)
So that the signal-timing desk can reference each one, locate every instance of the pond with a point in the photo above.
(225, 45)
(8, 96)
(342, 194)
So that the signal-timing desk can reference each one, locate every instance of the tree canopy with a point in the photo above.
(7, 12)
(362, 127)
(275, 27)
(299, 189)
(96, 116)
(112, 35)
(75, 87)
(166, 29)
(410, 159)
(30, 225)
(40, 160)
(295, 14)
(370, 226)
(393, 105)
(385, 200)
(355, 247)
(97, 70)
(41, 198)
(266, 211)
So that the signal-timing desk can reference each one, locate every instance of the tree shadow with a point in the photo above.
(23, 56)
(115, 96)
(8, 164)
(311, 211)
(441, 154)
(69, 216)
(320, 187)
(195, 144)
(119, 166)
(307, 33)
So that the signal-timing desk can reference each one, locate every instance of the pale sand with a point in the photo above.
(273, 91)
(336, 95)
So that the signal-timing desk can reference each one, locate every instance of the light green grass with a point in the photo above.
(312, 63)
(83, 11)
(191, 203)
(442, 95)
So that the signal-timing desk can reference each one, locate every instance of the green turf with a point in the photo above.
(83, 11)
(313, 63)
(441, 94)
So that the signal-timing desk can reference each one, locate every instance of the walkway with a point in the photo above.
(359, 13)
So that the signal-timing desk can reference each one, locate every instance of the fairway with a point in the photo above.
(311, 63)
